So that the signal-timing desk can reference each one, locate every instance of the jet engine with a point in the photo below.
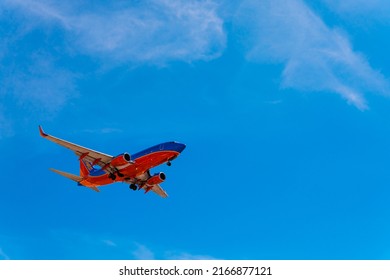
(122, 159)
(156, 179)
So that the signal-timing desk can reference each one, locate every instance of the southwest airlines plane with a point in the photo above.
(98, 169)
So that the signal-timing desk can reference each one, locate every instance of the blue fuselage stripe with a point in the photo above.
(168, 146)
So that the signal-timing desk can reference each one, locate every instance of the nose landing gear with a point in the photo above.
(133, 187)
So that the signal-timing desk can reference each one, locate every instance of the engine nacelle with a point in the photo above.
(156, 179)
(122, 159)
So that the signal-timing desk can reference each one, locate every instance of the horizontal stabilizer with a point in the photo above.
(68, 175)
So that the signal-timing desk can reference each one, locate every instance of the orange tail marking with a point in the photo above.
(84, 172)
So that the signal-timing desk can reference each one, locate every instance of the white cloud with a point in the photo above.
(41, 84)
(32, 78)
(155, 31)
(315, 56)
(37, 7)
(42, 40)
(3, 255)
(187, 256)
(142, 253)
(75, 244)
(110, 243)
(103, 130)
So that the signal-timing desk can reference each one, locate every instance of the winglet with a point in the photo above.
(43, 134)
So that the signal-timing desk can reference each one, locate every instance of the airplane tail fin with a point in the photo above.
(73, 177)
(68, 175)
(85, 168)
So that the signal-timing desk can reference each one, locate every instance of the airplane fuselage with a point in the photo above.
(99, 169)
(141, 163)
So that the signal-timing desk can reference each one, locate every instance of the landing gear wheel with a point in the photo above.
(169, 163)
(133, 187)
(112, 177)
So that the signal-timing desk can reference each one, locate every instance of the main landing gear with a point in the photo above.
(112, 176)
(169, 163)
(133, 187)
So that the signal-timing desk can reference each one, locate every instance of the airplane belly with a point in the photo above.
(140, 166)
(146, 162)
(93, 181)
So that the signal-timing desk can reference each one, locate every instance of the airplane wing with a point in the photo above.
(157, 189)
(82, 152)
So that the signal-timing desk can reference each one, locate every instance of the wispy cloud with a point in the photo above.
(103, 130)
(110, 243)
(3, 255)
(31, 75)
(155, 31)
(186, 256)
(315, 56)
(45, 9)
(48, 38)
(75, 244)
(274, 102)
(41, 83)
(166, 30)
(143, 253)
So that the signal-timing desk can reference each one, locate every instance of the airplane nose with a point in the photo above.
(180, 147)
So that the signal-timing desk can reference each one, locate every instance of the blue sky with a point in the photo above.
(283, 106)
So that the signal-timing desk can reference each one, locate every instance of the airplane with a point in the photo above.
(98, 169)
